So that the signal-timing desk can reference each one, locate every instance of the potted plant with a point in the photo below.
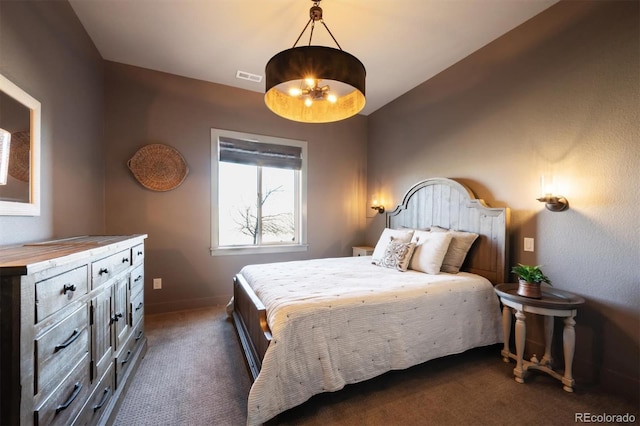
(530, 278)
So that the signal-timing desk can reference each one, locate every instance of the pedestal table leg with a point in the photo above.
(506, 331)
(569, 345)
(547, 359)
(521, 332)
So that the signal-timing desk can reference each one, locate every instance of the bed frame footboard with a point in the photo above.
(250, 319)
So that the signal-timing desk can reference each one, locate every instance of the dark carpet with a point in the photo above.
(194, 374)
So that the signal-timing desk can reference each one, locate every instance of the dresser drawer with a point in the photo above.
(59, 348)
(137, 254)
(65, 402)
(125, 358)
(137, 280)
(105, 269)
(98, 402)
(138, 332)
(57, 292)
(137, 308)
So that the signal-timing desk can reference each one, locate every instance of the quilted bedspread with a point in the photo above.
(343, 320)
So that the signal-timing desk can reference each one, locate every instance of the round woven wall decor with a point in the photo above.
(19, 150)
(158, 167)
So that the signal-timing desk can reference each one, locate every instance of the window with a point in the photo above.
(258, 193)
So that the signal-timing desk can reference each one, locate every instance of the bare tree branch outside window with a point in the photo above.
(277, 224)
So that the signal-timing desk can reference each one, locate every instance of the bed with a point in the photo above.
(314, 326)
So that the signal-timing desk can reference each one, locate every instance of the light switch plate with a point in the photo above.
(528, 244)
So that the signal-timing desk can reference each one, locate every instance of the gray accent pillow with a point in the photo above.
(460, 244)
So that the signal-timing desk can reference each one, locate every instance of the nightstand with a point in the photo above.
(362, 251)
(553, 303)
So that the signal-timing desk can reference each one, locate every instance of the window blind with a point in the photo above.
(241, 151)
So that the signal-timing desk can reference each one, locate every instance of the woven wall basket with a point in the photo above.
(19, 155)
(158, 167)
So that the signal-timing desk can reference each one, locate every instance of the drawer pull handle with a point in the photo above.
(69, 341)
(105, 398)
(116, 317)
(138, 278)
(125, 260)
(103, 271)
(140, 253)
(139, 306)
(126, 360)
(139, 336)
(74, 395)
(68, 287)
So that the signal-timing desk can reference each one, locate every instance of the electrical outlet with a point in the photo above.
(528, 244)
(157, 283)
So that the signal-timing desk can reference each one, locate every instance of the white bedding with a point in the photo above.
(343, 320)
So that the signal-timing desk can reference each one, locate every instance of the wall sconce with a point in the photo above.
(554, 203)
(378, 207)
(5, 140)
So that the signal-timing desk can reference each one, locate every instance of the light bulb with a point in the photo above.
(311, 82)
(294, 91)
(547, 185)
(332, 98)
(308, 102)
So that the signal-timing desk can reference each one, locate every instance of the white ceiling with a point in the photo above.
(401, 43)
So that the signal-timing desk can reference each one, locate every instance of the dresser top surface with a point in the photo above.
(20, 257)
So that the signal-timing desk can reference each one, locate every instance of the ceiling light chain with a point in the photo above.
(315, 14)
(303, 30)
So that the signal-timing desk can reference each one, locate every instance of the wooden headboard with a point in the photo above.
(449, 204)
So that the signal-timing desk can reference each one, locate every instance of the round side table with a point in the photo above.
(553, 303)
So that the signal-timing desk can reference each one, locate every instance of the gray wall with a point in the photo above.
(559, 93)
(143, 107)
(45, 51)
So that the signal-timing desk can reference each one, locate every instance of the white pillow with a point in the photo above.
(399, 235)
(458, 249)
(430, 250)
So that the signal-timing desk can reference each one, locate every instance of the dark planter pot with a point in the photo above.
(531, 290)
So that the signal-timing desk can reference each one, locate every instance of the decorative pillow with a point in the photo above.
(430, 250)
(397, 255)
(461, 242)
(399, 235)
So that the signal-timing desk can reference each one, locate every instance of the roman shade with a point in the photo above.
(241, 151)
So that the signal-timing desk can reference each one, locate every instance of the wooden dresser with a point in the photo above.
(71, 328)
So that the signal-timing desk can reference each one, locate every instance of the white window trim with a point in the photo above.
(302, 217)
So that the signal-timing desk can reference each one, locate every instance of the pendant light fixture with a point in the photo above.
(315, 84)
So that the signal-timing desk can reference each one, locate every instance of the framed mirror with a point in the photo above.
(19, 151)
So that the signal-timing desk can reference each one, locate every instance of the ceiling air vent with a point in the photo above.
(243, 75)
